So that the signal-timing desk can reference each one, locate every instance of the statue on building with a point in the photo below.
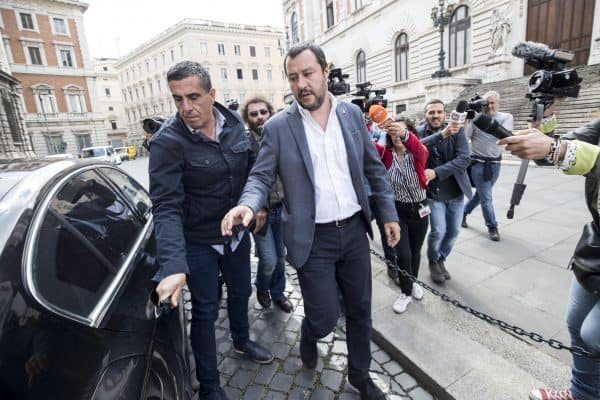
(500, 28)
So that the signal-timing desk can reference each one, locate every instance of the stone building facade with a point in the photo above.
(110, 102)
(243, 61)
(394, 44)
(45, 44)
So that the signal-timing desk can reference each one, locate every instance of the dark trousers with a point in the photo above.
(340, 258)
(204, 263)
(413, 229)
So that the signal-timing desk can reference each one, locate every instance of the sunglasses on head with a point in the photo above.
(254, 114)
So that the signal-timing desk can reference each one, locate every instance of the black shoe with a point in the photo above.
(220, 286)
(442, 265)
(308, 352)
(255, 352)
(284, 304)
(216, 394)
(493, 233)
(437, 275)
(367, 388)
(264, 299)
(464, 221)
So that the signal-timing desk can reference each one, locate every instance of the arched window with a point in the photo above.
(294, 24)
(401, 57)
(361, 67)
(460, 36)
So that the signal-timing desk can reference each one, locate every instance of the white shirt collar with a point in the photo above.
(219, 123)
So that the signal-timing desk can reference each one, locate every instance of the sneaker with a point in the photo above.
(436, 272)
(401, 303)
(417, 292)
(551, 394)
(464, 221)
(493, 233)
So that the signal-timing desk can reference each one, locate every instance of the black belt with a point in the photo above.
(340, 223)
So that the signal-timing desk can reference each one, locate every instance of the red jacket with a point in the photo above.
(416, 148)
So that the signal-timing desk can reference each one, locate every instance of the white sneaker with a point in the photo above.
(401, 303)
(417, 292)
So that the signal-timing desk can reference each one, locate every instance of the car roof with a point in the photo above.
(95, 147)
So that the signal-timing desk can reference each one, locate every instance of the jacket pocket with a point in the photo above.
(201, 162)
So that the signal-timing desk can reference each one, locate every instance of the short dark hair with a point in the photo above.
(410, 125)
(254, 100)
(433, 101)
(294, 51)
(185, 69)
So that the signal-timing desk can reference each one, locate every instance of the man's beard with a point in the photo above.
(257, 128)
(314, 106)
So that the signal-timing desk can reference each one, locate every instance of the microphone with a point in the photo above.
(540, 52)
(460, 114)
(489, 125)
(378, 114)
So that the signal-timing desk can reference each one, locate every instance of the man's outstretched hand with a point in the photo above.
(239, 215)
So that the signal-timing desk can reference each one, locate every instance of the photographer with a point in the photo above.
(576, 153)
(486, 156)
(150, 127)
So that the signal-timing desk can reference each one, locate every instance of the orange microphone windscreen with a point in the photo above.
(378, 114)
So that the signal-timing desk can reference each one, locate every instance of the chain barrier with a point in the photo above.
(536, 337)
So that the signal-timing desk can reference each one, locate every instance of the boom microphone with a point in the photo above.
(489, 125)
(537, 53)
(378, 114)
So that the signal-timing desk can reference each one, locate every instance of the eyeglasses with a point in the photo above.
(254, 114)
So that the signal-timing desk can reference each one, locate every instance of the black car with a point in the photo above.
(78, 318)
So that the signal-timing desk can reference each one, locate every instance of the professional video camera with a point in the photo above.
(368, 96)
(553, 77)
(152, 125)
(336, 84)
(475, 105)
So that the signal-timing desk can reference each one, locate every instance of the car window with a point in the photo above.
(130, 188)
(100, 152)
(86, 235)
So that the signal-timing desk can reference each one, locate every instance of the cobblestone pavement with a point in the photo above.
(285, 378)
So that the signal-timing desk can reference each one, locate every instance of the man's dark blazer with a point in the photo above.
(285, 152)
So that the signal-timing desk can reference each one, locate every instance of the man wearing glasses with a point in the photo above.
(270, 276)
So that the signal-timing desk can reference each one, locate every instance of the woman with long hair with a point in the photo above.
(406, 173)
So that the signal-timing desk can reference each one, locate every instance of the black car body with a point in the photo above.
(76, 266)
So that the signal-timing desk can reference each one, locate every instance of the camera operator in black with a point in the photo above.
(576, 153)
(486, 156)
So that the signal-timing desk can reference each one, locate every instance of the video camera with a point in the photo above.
(553, 76)
(475, 105)
(369, 96)
(336, 84)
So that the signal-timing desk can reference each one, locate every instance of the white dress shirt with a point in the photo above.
(335, 197)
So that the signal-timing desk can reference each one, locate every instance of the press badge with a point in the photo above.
(424, 210)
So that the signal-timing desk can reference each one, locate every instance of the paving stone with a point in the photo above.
(375, 367)
(327, 339)
(220, 333)
(295, 350)
(340, 347)
(322, 394)
(306, 378)
(396, 389)
(248, 364)
(280, 350)
(266, 372)
(281, 382)
(323, 348)
(293, 324)
(349, 396)
(229, 366)
(300, 394)
(338, 362)
(381, 357)
(241, 379)
(288, 337)
(392, 368)
(382, 380)
(406, 381)
(292, 365)
(275, 396)
(254, 392)
(331, 379)
(233, 393)
(420, 394)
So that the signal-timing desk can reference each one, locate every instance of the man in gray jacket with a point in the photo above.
(321, 150)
